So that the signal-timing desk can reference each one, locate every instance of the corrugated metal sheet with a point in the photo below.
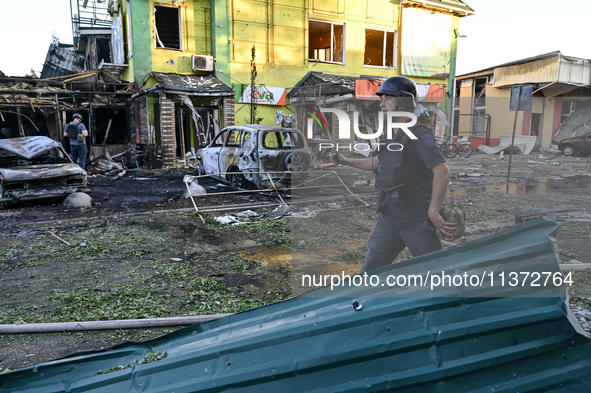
(61, 61)
(578, 123)
(565, 74)
(477, 339)
(540, 71)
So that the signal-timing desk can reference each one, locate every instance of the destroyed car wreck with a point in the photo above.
(37, 167)
(255, 155)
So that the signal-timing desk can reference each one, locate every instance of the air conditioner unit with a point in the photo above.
(202, 63)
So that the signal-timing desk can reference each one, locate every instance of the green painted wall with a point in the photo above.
(450, 99)
(220, 34)
(141, 22)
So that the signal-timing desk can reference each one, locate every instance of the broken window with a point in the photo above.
(167, 31)
(282, 140)
(103, 50)
(569, 106)
(480, 92)
(219, 141)
(325, 41)
(379, 48)
(234, 138)
(237, 138)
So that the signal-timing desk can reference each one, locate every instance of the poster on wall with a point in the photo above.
(263, 95)
(426, 43)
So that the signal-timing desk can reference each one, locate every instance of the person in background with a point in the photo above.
(77, 133)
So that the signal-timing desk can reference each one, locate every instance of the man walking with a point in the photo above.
(77, 133)
(412, 184)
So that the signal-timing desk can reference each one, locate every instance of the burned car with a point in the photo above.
(37, 167)
(249, 155)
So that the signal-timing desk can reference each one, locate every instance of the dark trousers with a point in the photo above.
(389, 238)
(79, 154)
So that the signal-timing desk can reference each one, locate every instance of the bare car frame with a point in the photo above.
(255, 154)
(37, 167)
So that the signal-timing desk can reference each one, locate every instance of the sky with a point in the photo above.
(500, 32)
(506, 30)
(25, 33)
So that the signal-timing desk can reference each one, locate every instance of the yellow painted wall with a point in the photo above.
(196, 38)
(279, 32)
(465, 122)
(502, 119)
(548, 121)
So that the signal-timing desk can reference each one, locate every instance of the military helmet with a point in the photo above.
(400, 86)
(77, 115)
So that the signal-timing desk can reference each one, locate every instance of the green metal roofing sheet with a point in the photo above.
(483, 339)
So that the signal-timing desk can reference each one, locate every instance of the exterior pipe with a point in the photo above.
(148, 323)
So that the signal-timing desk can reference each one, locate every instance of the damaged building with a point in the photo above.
(164, 76)
(43, 107)
(561, 85)
(317, 92)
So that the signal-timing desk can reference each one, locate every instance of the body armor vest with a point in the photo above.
(72, 130)
(397, 169)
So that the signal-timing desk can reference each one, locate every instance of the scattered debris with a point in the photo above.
(109, 168)
(193, 187)
(78, 200)
(246, 217)
(238, 218)
(59, 238)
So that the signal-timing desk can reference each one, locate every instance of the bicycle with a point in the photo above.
(447, 147)
(464, 148)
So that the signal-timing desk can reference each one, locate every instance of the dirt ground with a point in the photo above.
(142, 251)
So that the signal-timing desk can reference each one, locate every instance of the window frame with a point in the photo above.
(384, 47)
(331, 48)
(179, 24)
(222, 135)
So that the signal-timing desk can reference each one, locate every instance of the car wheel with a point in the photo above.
(568, 150)
(295, 162)
(236, 180)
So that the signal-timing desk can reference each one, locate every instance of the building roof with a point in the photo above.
(318, 84)
(486, 337)
(490, 70)
(207, 85)
(552, 73)
(457, 7)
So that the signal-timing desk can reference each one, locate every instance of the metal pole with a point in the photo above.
(182, 130)
(513, 137)
(106, 325)
(21, 130)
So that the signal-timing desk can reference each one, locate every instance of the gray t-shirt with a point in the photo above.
(413, 204)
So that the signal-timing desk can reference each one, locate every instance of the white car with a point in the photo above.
(245, 155)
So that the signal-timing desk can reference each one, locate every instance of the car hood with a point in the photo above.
(33, 172)
(572, 139)
(28, 147)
